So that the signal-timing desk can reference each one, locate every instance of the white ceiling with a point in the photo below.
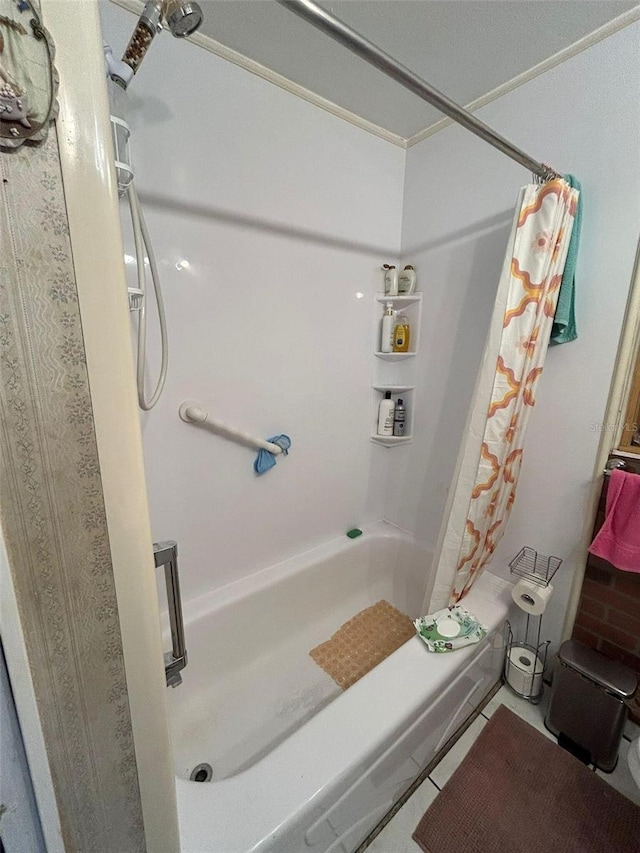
(465, 48)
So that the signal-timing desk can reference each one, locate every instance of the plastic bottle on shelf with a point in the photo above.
(407, 281)
(390, 280)
(399, 418)
(388, 328)
(386, 412)
(401, 333)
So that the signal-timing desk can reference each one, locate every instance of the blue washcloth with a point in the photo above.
(265, 459)
(564, 321)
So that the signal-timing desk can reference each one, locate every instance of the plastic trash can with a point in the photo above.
(587, 708)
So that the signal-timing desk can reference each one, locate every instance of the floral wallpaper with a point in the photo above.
(53, 517)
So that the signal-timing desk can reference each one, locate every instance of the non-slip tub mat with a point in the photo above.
(363, 642)
(516, 791)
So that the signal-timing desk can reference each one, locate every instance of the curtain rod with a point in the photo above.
(357, 43)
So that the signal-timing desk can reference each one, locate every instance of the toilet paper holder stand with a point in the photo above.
(525, 654)
(525, 659)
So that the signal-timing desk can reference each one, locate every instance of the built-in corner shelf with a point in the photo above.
(391, 440)
(395, 389)
(390, 376)
(394, 356)
(410, 305)
(400, 300)
(406, 392)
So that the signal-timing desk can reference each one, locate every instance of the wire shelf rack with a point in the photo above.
(535, 567)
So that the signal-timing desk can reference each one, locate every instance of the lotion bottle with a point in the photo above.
(386, 412)
(399, 419)
(407, 281)
(390, 280)
(388, 327)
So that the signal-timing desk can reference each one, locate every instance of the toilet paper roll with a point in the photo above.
(524, 670)
(531, 597)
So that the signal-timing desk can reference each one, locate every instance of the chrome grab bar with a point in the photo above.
(165, 554)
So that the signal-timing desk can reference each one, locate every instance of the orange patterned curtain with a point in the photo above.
(489, 465)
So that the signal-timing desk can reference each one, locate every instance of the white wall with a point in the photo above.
(285, 213)
(582, 117)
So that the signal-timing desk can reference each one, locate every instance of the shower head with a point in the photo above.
(180, 17)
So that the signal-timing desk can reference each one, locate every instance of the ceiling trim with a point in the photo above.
(242, 61)
(280, 80)
(608, 29)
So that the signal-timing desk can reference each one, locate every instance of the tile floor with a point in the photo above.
(396, 836)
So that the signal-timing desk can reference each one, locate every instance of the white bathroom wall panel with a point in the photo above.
(284, 214)
(582, 117)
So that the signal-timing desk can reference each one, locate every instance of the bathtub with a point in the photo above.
(298, 764)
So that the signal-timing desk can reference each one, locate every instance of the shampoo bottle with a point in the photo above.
(399, 418)
(385, 415)
(388, 327)
(407, 281)
(390, 280)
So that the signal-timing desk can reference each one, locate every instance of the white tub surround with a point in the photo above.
(302, 765)
(283, 214)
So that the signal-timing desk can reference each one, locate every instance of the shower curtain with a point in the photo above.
(488, 467)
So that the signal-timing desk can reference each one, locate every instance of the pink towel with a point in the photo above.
(618, 540)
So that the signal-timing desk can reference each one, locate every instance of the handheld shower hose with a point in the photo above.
(142, 241)
(182, 18)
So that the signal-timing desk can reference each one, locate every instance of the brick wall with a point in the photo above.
(609, 611)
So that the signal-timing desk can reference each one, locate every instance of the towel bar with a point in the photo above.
(614, 465)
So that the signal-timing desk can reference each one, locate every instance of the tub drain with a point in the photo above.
(201, 773)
